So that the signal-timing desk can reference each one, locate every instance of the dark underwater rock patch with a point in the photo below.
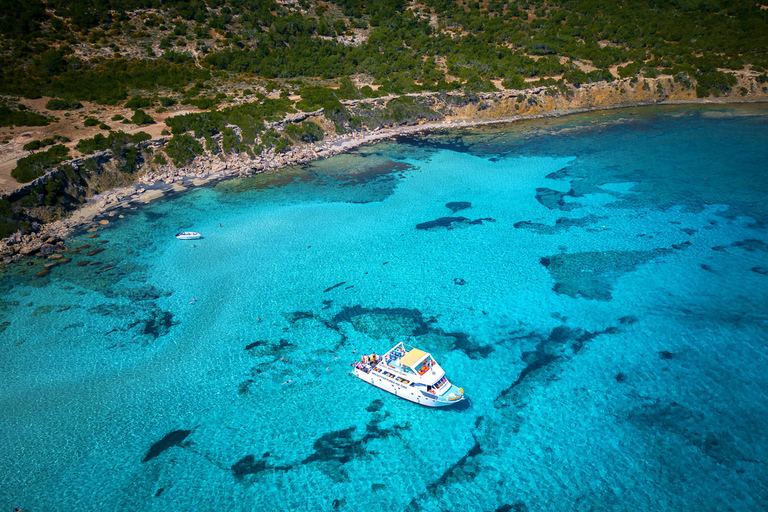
(405, 319)
(666, 354)
(175, 438)
(562, 224)
(591, 275)
(337, 446)
(385, 323)
(340, 446)
(244, 387)
(457, 144)
(751, 245)
(562, 343)
(473, 350)
(519, 506)
(112, 310)
(535, 360)
(464, 470)
(664, 418)
(456, 206)
(158, 325)
(249, 465)
(554, 199)
(760, 270)
(375, 406)
(299, 315)
(334, 286)
(450, 223)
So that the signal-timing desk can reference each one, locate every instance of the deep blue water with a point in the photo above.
(611, 331)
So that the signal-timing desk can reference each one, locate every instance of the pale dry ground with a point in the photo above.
(69, 124)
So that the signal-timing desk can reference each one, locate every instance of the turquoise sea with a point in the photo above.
(597, 284)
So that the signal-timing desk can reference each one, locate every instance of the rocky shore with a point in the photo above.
(489, 108)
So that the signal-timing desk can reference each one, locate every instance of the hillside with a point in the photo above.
(258, 80)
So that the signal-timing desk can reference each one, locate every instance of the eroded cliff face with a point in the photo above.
(621, 93)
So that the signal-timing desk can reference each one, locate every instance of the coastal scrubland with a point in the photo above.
(98, 80)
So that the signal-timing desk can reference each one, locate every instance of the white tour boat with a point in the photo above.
(409, 373)
(189, 235)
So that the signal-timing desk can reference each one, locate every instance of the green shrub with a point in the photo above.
(714, 82)
(33, 166)
(90, 122)
(140, 118)
(117, 117)
(10, 117)
(201, 103)
(160, 159)
(138, 102)
(305, 132)
(182, 149)
(347, 90)
(104, 126)
(37, 144)
(32, 146)
(513, 81)
(112, 141)
(313, 98)
(59, 104)
(476, 84)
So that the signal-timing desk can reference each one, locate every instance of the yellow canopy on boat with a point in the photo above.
(412, 357)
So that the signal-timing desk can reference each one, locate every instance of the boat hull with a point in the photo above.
(189, 236)
(409, 393)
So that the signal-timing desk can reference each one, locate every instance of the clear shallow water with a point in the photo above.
(611, 332)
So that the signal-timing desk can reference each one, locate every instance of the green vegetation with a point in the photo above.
(140, 117)
(249, 118)
(138, 102)
(125, 153)
(33, 166)
(305, 132)
(37, 144)
(59, 104)
(90, 121)
(182, 149)
(403, 110)
(113, 141)
(403, 51)
(15, 117)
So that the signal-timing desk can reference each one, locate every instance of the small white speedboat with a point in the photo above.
(188, 235)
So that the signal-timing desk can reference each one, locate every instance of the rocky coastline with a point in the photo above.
(487, 108)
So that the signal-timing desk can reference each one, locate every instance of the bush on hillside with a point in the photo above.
(33, 166)
(59, 104)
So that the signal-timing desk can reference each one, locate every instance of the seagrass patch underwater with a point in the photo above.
(597, 284)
